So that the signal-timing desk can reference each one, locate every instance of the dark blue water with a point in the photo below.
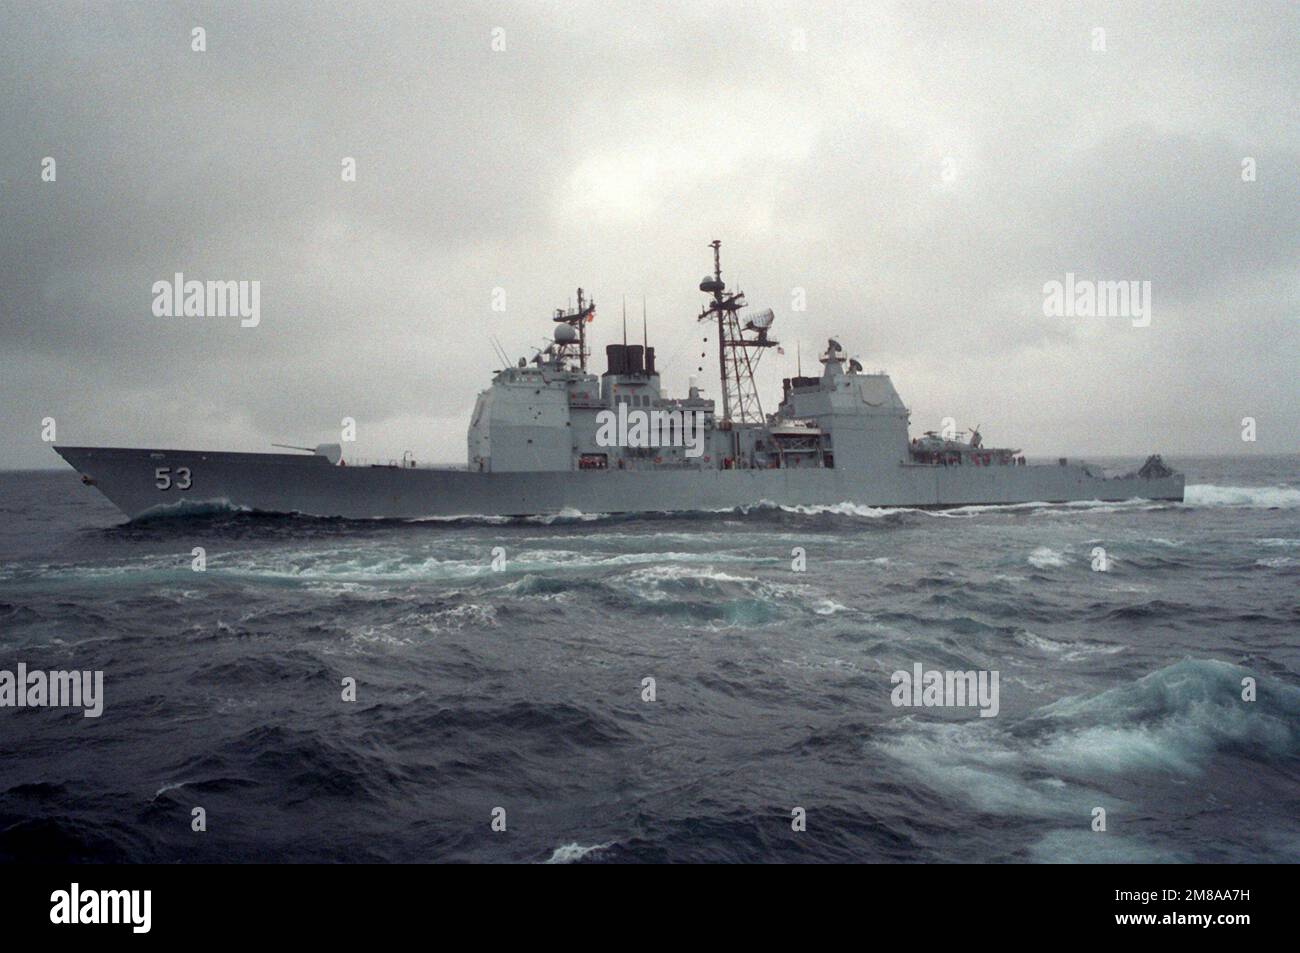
(522, 688)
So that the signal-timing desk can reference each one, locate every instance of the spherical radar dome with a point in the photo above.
(564, 334)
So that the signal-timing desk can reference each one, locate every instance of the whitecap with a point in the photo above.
(571, 853)
(1043, 557)
(1172, 721)
(169, 786)
(1258, 497)
(1276, 562)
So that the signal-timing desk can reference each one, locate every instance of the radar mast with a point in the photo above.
(571, 346)
(738, 354)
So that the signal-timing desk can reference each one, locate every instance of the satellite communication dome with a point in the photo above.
(762, 319)
(709, 284)
(564, 334)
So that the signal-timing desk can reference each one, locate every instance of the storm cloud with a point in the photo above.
(916, 172)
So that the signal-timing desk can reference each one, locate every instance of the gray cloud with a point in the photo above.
(606, 148)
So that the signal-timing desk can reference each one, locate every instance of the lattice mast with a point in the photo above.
(577, 319)
(738, 355)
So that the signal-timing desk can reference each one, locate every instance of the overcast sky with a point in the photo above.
(919, 170)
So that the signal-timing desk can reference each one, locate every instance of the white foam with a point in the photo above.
(1256, 497)
(1043, 557)
(1276, 562)
(828, 607)
(566, 515)
(570, 853)
(843, 509)
(365, 564)
(1171, 721)
(171, 786)
(1067, 651)
(1042, 643)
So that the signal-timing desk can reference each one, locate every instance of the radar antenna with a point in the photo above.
(575, 347)
(738, 354)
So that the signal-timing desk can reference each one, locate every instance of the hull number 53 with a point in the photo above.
(164, 478)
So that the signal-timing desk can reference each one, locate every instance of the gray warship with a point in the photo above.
(550, 437)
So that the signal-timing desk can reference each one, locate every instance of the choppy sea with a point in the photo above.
(521, 686)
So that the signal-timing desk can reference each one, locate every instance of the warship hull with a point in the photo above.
(145, 483)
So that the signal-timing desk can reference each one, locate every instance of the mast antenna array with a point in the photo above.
(577, 319)
(740, 345)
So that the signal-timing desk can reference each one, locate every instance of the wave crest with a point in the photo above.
(1256, 497)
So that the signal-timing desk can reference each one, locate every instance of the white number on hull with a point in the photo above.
(163, 478)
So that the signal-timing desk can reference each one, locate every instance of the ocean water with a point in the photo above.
(522, 688)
